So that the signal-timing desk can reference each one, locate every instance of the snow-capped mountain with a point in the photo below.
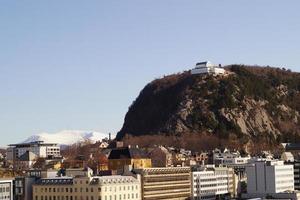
(67, 137)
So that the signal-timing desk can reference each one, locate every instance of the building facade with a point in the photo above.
(124, 156)
(269, 177)
(39, 148)
(6, 189)
(166, 183)
(160, 157)
(209, 182)
(88, 188)
(207, 68)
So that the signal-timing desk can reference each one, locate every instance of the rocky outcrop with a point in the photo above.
(249, 102)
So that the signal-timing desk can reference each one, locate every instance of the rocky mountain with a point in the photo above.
(248, 103)
(67, 137)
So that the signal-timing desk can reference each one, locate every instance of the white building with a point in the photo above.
(39, 148)
(210, 181)
(269, 177)
(120, 187)
(207, 68)
(6, 189)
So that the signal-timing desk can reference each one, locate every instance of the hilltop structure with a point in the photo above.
(207, 68)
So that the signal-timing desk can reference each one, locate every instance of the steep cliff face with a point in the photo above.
(249, 102)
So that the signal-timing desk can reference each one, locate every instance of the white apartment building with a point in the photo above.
(6, 189)
(207, 68)
(210, 181)
(39, 148)
(269, 177)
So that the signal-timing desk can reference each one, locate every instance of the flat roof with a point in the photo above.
(40, 143)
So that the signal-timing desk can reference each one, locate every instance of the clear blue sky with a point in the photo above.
(80, 64)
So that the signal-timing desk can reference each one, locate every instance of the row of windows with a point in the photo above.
(106, 197)
(70, 190)
(120, 188)
(65, 198)
(67, 190)
(4, 189)
(120, 197)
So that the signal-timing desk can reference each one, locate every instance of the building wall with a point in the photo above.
(204, 185)
(297, 175)
(172, 183)
(115, 164)
(114, 188)
(6, 189)
(269, 177)
(23, 188)
(211, 182)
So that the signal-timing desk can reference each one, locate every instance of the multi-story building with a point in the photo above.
(114, 187)
(169, 183)
(269, 177)
(39, 148)
(24, 155)
(120, 157)
(6, 189)
(209, 182)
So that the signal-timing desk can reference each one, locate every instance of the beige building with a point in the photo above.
(88, 188)
(171, 183)
(160, 157)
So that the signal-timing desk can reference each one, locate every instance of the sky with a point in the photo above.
(79, 65)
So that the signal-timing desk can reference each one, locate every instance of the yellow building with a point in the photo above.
(120, 157)
(88, 188)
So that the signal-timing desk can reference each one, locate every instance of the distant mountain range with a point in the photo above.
(67, 137)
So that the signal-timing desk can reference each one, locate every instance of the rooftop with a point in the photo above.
(35, 143)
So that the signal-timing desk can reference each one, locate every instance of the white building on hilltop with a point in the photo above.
(207, 68)
(269, 177)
